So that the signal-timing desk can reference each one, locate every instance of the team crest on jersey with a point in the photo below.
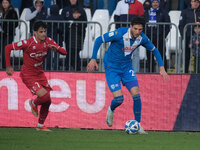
(25, 41)
(19, 44)
(111, 34)
(34, 47)
(113, 86)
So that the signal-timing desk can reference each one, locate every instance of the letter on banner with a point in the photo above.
(12, 87)
(65, 92)
(99, 103)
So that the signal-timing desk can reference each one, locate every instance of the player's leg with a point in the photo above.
(113, 81)
(137, 104)
(129, 79)
(117, 101)
(44, 100)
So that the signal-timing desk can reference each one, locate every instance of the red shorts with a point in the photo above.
(35, 83)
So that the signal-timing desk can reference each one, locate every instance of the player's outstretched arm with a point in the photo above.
(91, 65)
(164, 74)
(58, 49)
(9, 70)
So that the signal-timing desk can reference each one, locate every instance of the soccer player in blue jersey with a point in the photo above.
(118, 66)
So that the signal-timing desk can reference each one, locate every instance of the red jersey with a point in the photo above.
(34, 54)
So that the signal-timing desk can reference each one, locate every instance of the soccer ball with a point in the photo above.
(132, 127)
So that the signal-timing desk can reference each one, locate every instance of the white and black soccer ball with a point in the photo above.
(132, 127)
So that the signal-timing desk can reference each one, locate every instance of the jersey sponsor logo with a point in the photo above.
(129, 49)
(33, 55)
(38, 64)
(19, 44)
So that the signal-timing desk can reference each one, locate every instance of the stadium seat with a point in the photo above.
(60, 11)
(17, 31)
(21, 34)
(93, 31)
(88, 14)
(171, 41)
(17, 10)
(112, 28)
(22, 27)
(142, 1)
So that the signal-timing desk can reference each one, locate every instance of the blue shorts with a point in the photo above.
(115, 76)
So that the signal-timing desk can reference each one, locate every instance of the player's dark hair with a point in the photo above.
(39, 24)
(138, 20)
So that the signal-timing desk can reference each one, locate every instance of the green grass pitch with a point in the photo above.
(82, 139)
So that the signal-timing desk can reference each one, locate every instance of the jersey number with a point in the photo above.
(132, 72)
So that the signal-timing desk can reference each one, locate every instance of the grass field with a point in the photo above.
(76, 139)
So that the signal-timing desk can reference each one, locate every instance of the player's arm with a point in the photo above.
(149, 46)
(163, 73)
(93, 62)
(55, 47)
(107, 37)
(15, 46)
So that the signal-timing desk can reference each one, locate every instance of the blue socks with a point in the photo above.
(116, 102)
(137, 107)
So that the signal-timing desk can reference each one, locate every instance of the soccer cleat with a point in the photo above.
(109, 117)
(33, 108)
(141, 131)
(43, 128)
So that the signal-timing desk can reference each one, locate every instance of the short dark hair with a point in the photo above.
(39, 24)
(138, 20)
(76, 10)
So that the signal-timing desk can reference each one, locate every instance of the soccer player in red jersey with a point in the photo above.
(35, 50)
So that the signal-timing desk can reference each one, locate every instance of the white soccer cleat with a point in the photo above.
(141, 131)
(109, 117)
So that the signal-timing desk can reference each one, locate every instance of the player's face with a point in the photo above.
(136, 30)
(41, 34)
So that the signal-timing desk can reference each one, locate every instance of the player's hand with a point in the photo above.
(9, 70)
(91, 65)
(164, 74)
(53, 47)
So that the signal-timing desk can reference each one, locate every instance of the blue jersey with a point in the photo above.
(122, 46)
(117, 60)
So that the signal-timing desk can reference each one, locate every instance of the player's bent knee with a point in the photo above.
(46, 98)
(119, 99)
